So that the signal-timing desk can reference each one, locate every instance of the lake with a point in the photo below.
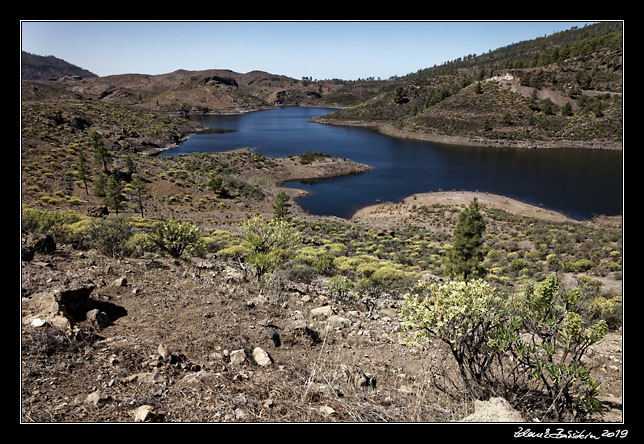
(580, 183)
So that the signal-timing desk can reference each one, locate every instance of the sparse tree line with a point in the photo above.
(109, 184)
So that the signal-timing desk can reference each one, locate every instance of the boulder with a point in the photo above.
(37, 243)
(62, 308)
(50, 310)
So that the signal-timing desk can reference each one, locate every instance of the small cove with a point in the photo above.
(579, 183)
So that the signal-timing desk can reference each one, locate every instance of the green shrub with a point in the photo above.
(300, 272)
(607, 308)
(177, 238)
(268, 243)
(109, 236)
(47, 221)
(65, 226)
(137, 244)
(308, 157)
(518, 264)
(340, 286)
(527, 349)
(578, 266)
(318, 258)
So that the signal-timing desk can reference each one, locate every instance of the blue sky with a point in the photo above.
(318, 49)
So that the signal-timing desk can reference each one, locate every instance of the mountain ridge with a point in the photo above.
(560, 90)
(37, 67)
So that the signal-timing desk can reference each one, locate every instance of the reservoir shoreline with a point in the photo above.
(388, 129)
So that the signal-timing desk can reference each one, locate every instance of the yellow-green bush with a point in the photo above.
(527, 347)
(177, 238)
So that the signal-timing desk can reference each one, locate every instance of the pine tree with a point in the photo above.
(139, 190)
(465, 255)
(479, 88)
(99, 185)
(281, 205)
(101, 155)
(114, 193)
(82, 169)
(566, 110)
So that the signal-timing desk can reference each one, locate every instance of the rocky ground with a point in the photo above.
(159, 339)
(156, 339)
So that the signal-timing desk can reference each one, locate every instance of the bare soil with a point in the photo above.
(351, 367)
(173, 327)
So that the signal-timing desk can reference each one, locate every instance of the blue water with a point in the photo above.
(580, 183)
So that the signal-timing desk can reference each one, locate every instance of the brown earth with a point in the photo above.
(344, 364)
(389, 215)
(153, 338)
(167, 346)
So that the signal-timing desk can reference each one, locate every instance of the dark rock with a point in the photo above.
(37, 243)
(98, 211)
(272, 333)
(98, 318)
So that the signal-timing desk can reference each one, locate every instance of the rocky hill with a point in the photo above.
(560, 90)
(198, 92)
(35, 67)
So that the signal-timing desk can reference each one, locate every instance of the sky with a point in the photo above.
(321, 50)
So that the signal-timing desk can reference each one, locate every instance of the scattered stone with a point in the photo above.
(120, 282)
(269, 403)
(38, 243)
(361, 379)
(257, 300)
(326, 410)
(152, 377)
(143, 413)
(237, 357)
(493, 410)
(241, 414)
(338, 321)
(325, 310)
(98, 318)
(37, 322)
(164, 352)
(97, 398)
(301, 329)
(194, 377)
(272, 333)
(358, 377)
(261, 357)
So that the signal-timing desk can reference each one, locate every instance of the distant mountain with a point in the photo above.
(35, 67)
(564, 89)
